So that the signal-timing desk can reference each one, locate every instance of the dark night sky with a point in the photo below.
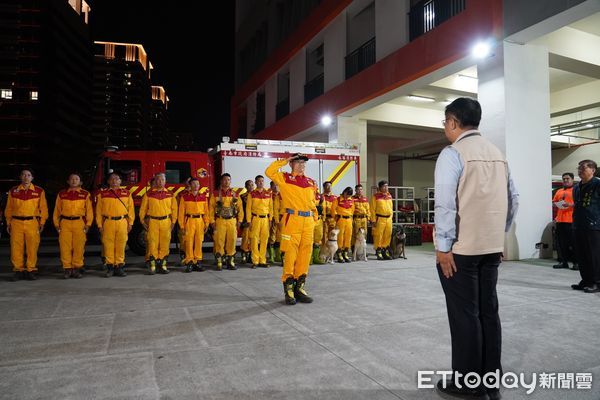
(192, 60)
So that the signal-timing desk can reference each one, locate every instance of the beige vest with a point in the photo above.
(482, 197)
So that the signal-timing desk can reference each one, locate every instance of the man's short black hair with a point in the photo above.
(467, 111)
(326, 182)
(224, 175)
(257, 177)
(348, 191)
(74, 173)
(589, 163)
(568, 174)
(26, 169)
(381, 183)
(358, 186)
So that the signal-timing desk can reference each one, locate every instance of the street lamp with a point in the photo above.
(326, 120)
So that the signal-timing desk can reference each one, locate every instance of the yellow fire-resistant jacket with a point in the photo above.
(26, 203)
(159, 203)
(259, 203)
(73, 203)
(381, 204)
(114, 203)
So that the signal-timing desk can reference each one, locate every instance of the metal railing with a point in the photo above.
(314, 88)
(427, 14)
(360, 58)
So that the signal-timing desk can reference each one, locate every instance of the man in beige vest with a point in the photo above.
(475, 202)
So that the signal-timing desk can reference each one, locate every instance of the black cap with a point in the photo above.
(299, 156)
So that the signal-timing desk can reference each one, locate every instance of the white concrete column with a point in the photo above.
(352, 130)
(334, 46)
(270, 100)
(250, 113)
(297, 80)
(391, 26)
(514, 94)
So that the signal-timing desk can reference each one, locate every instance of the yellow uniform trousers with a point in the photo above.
(273, 232)
(357, 223)
(114, 239)
(193, 238)
(246, 240)
(296, 242)
(71, 240)
(344, 224)
(382, 232)
(259, 236)
(318, 231)
(225, 235)
(24, 236)
(159, 237)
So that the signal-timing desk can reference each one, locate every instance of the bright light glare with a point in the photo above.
(326, 120)
(481, 50)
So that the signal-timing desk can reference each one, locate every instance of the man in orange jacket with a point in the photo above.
(563, 201)
(158, 214)
(115, 215)
(26, 213)
(297, 227)
(73, 216)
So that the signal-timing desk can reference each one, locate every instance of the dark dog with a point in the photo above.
(398, 242)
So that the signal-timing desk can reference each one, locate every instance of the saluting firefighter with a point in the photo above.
(73, 216)
(225, 213)
(342, 212)
(245, 245)
(328, 200)
(193, 222)
(362, 212)
(259, 213)
(297, 226)
(318, 231)
(115, 215)
(274, 232)
(158, 215)
(26, 213)
(382, 211)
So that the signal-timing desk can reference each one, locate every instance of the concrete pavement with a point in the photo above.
(228, 335)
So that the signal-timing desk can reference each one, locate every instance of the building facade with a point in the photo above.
(384, 70)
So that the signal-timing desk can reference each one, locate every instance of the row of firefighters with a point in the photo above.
(259, 213)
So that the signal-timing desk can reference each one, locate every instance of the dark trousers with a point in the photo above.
(587, 244)
(472, 305)
(565, 239)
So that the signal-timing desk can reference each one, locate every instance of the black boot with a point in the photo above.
(379, 254)
(218, 261)
(386, 254)
(109, 271)
(299, 292)
(346, 256)
(76, 273)
(189, 267)
(120, 270)
(198, 266)
(340, 257)
(231, 262)
(288, 291)
(31, 275)
(151, 265)
(18, 276)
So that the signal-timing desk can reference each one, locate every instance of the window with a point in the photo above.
(177, 171)
(33, 95)
(6, 94)
(129, 170)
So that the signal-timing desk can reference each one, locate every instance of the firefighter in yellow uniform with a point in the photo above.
(26, 213)
(274, 229)
(180, 235)
(73, 215)
(318, 232)
(193, 222)
(158, 214)
(382, 211)
(259, 213)
(342, 212)
(297, 226)
(245, 245)
(362, 212)
(115, 215)
(225, 213)
(328, 200)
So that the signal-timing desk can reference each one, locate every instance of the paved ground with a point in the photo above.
(228, 335)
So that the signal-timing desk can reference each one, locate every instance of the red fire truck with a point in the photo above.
(243, 159)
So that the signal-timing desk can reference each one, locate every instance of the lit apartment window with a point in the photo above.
(6, 94)
(33, 95)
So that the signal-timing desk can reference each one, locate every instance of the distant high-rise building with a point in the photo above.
(159, 120)
(45, 87)
(121, 96)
